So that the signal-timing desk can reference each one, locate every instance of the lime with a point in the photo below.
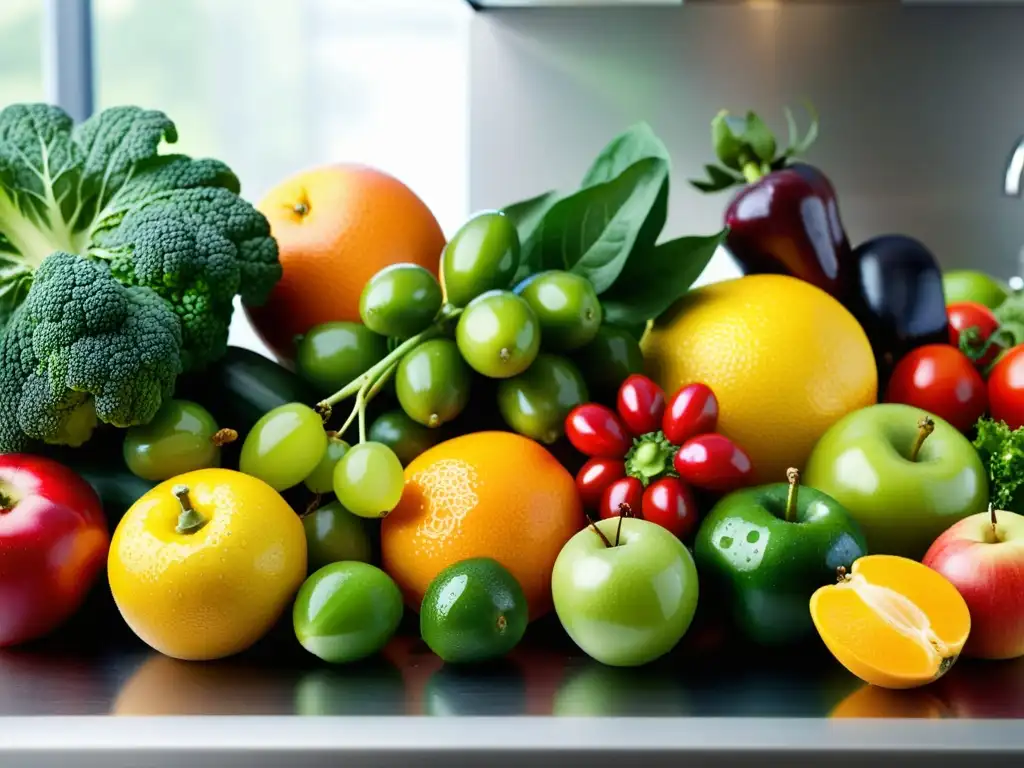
(972, 285)
(347, 611)
(474, 610)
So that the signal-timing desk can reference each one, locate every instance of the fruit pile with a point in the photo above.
(542, 417)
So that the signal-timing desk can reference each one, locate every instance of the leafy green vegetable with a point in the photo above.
(101, 190)
(1002, 452)
(608, 231)
(84, 348)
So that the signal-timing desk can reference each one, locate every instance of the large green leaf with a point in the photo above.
(527, 215)
(636, 143)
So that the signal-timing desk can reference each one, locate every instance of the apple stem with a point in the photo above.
(994, 521)
(189, 521)
(6, 502)
(600, 533)
(841, 574)
(224, 437)
(925, 427)
(793, 476)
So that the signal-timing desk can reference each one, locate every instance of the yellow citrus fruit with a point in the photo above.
(785, 360)
(485, 494)
(208, 583)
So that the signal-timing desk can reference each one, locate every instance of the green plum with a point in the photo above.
(433, 382)
(609, 359)
(567, 307)
(625, 590)
(181, 437)
(334, 534)
(407, 438)
(321, 479)
(482, 256)
(536, 402)
(347, 611)
(903, 474)
(401, 300)
(331, 355)
(498, 334)
(763, 551)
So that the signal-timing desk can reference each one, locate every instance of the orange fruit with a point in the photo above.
(892, 621)
(485, 494)
(785, 360)
(336, 226)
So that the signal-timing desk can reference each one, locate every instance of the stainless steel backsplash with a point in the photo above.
(920, 107)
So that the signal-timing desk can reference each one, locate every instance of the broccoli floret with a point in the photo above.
(82, 349)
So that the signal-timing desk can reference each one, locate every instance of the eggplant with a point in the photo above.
(898, 299)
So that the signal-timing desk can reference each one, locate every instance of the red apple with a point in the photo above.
(53, 542)
(983, 556)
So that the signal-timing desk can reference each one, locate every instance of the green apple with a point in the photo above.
(972, 285)
(903, 474)
(625, 595)
(763, 551)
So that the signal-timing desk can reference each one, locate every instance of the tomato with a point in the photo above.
(693, 410)
(595, 476)
(597, 431)
(670, 503)
(623, 497)
(940, 379)
(979, 323)
(713, 462)
(641, 404)
(1006, 388)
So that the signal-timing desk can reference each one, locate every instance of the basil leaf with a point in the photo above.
(653, 281)
(593, 231)
(638, 142)
(528, 215)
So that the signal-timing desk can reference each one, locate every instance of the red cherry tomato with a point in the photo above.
(628, 491)
(597, 431)
(692, 411)
(595, 476)
(713, 462)
(1006, 388)
(641, 404)
(966, 315)
(940, 379)
(669, 502)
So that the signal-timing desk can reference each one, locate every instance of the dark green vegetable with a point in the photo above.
(1002, 453)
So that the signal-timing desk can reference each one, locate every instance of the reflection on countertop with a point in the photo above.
(99, 668)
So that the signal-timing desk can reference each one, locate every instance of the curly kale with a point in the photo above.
(83, 349)
(157, 230)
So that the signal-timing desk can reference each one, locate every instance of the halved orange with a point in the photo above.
(892, 621)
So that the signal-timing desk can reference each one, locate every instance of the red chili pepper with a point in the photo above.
(713, 462)
(641, 404)
(595, 476)
(670, 503)
(597, 431)
(692, 411)
(623, 497)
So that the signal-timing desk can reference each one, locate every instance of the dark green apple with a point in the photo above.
(763, 551)
(904, 475)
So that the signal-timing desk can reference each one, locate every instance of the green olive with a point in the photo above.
(567, 307)
(331, 355)
(400, 300)
(536, 402)
(482, 256)
(334, 534)
(609, 359)
(498, 334)
(407, 438)
(433, 382)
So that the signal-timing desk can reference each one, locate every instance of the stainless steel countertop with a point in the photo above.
(71, 700)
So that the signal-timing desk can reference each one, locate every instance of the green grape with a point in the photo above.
(284, 446)
(183, 436)
(498, 334)
(482, 256)
(334, 534)
(536, 402)
(567, 307)
(331, 355)
(400, 300)
(321, 479)
(407, 438)
(433, 382)
(369, 480)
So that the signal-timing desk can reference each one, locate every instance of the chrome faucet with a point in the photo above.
(1014, 170)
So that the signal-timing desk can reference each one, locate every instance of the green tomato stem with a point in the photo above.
(925, 427)
(752, 170)
(650, 458)
(189, 521)
(793, 476)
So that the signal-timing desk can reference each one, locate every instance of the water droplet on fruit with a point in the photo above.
(753, 536)
(725, 542)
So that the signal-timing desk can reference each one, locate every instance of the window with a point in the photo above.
(21, 66)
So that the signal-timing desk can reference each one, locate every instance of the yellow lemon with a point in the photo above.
(204, 564)
(785, 360)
